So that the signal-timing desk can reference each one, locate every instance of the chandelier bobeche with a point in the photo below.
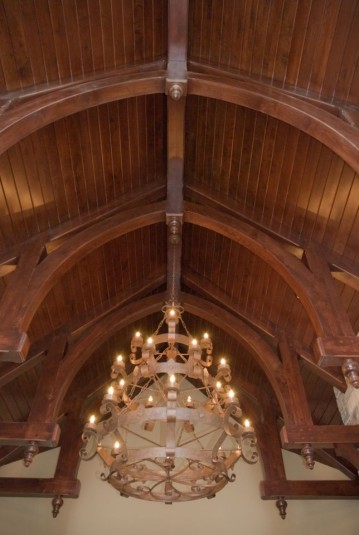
(161, 436)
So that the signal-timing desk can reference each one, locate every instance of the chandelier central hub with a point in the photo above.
(169, 430)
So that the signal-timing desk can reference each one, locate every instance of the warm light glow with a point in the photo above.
(116, 445)
(119, 358)
(150, 399)
(92, 419)
(111, 390)
(172, 312)
(189, 399)
(205, 336)
(149, 341)
(231, 394)
(247, 423)
(121, 382)
(138, 334)
(194, 342)
(172, 379)
(223, 362)
(218, 385)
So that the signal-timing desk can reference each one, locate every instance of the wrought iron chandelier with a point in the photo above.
(169, 431)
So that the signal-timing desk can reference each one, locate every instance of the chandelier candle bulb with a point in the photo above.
(111, 395)
(223, 365)
(116, 449)
(121, 384)
(247, 423)
(91, 424)
(119, 361)
(149, 402)
(189, 402)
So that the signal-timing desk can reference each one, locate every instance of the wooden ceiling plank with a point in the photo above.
(310, 490)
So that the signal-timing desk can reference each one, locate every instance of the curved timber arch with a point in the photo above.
(81, 351)
(292, 270)
(62, 259)
(335, 133)
(25, 118)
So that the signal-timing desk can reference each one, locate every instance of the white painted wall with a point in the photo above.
(237, 509)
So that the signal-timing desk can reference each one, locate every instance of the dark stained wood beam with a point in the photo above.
(296, 393)
(330, 458)
(348, 452)
(39, 488)
(270, 446)
(341, 137)
(35, 113)
(49, 271)
(342, 269)
(319, 436)
(303, 282)
(147, 193)
(319, 266)
(176, 90)
(310, 490)
(57, 236)
(15, 343)
(12, 371)
(81, 350)
(21, 433)
(335, 350)
(209, 290)
(44, 390)
(73, 329)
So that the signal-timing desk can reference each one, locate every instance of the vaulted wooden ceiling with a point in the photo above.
(238, 118)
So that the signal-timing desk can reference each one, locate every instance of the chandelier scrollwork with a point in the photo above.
(169, 431)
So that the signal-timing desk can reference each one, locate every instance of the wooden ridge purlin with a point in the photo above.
(319, 436)
(45, 434)
(334, 350)
(41, 488)
(309, 490)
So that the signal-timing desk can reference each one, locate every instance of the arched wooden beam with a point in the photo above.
(293, 272)
(53, 267)
(27, 117)
(81, 351)
(332, 131)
